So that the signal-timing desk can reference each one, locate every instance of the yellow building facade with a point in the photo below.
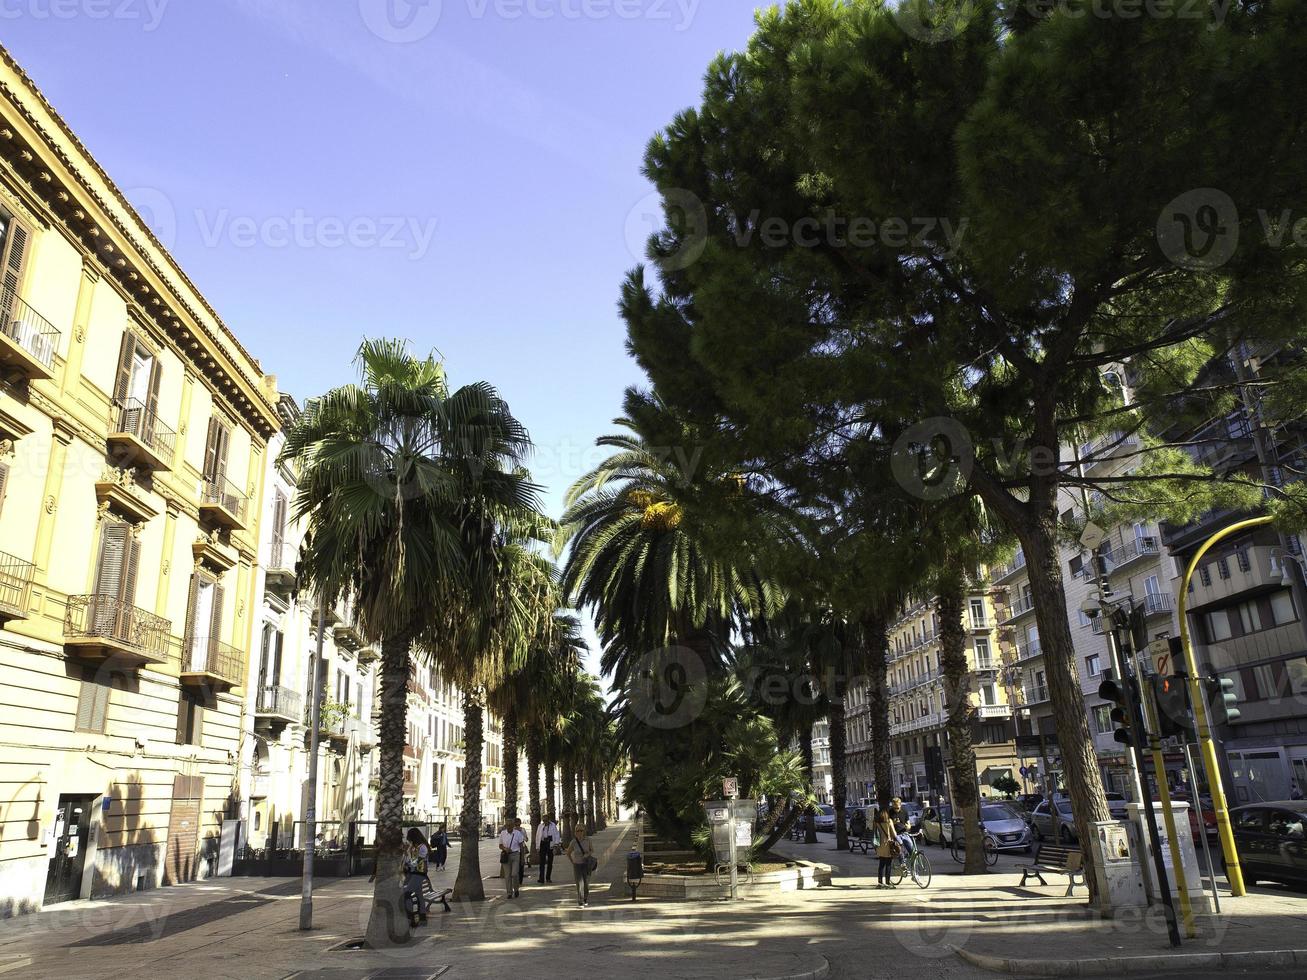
(133, 439)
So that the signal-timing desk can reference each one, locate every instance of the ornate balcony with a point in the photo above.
(1019, 607)
(989, 712)
(222, 503)
(28, 340)
(104, 626)
(137, 438)
(210, 663)
(15, 587)
(279, 576)
(278, 704)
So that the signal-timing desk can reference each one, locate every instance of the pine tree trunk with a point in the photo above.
(511, 771)
(961, 717)
(838, 763)
(1084, 780)
(805, 750)
(387, 923)
(877, 640)
(533, 787)
(468, 883)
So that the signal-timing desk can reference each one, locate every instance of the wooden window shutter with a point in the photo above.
(265, 655)
(86, 700)
(215, 625)
(190, 619)
(152, 405)
(114, 545)
(123, 380)
(211, 451)
(224, 443)
(15, 260)
(276, 656)
(4, 482)
(133, 566)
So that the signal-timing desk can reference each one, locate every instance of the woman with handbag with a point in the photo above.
(581, 853)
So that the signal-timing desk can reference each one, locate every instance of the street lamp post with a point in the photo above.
(311, 810)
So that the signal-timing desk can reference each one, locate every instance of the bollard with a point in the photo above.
(634, 871)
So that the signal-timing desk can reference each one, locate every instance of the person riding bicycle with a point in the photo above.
(899, 818)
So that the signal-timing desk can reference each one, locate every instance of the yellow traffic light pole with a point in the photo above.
(1168, 815)
(1233, 873)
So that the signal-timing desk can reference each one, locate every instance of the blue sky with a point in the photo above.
(463, 173)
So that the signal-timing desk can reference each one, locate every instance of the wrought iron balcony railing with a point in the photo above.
(29, 333)
(280, 701)
(211, 660)
(222, 497)
(140, 438)
(15, 586)
(107, 622)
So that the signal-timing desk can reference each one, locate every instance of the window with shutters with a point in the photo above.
(92, 701)
(279, 509)
(136, 387)
(215, 451)
(115, 580)
(203, 620)
(15, 239)
(190, 719)
(4, 483)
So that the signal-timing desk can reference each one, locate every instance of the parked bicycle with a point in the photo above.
(958, 846)
(916, 866)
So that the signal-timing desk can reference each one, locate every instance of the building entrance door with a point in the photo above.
(183, 830)
(72, 829)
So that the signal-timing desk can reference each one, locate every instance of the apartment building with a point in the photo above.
(134, 434)
(274, 759)
(823, 785)
(920, 759)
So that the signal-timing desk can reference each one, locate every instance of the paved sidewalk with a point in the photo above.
(993, 923)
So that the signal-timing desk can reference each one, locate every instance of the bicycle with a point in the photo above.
(917, 868)
(958, 846)
(743, 875)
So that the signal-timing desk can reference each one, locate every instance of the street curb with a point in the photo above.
(1160, 962)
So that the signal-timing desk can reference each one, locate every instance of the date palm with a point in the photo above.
(391, 470)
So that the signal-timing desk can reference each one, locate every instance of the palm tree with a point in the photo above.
(387, 468)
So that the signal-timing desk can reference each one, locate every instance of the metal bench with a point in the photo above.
(865, 841)
(1055, 859)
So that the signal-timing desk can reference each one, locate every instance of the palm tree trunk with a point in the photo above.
(511, 770)
(838, 764)
(387, 923)
(805, 749)
(551, 787)
(591, 816)
(957, 689)
(533, 787)
(877, 640)
(468, 883)
(569, 800)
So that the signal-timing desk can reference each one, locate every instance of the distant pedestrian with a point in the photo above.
(581, 853)
(548, 837)
(886, 847)
(523, 851)
(510, 856)
(1295, 793)
(440, 848)
(415, 877)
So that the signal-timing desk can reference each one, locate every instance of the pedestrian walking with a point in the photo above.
(548, 837)
(886, 847)
(523, 851)
(1295, 793)
(510, 856)
(581, 853)
(440, 847)
(415, 877)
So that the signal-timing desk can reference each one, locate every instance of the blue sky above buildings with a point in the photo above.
(463, 173)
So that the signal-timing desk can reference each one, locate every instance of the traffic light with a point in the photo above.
(1174, 712)
(1221, 700)
(1114, 691)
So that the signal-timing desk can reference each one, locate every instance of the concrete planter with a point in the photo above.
(803, 875)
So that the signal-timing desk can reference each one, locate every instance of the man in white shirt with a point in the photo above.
(547, 836)
(510, 856)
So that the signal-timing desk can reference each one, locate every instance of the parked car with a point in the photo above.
(1048, 825)
(1272, 841)
(1002, 821)
(1027, 802)
(913, 810)
(936, 821)
(1118, 806)
(825, 817)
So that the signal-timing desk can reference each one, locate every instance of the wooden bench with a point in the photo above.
(865, 841)
(430, 896)
(1055, 859)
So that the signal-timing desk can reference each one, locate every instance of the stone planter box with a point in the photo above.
(803, 875)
